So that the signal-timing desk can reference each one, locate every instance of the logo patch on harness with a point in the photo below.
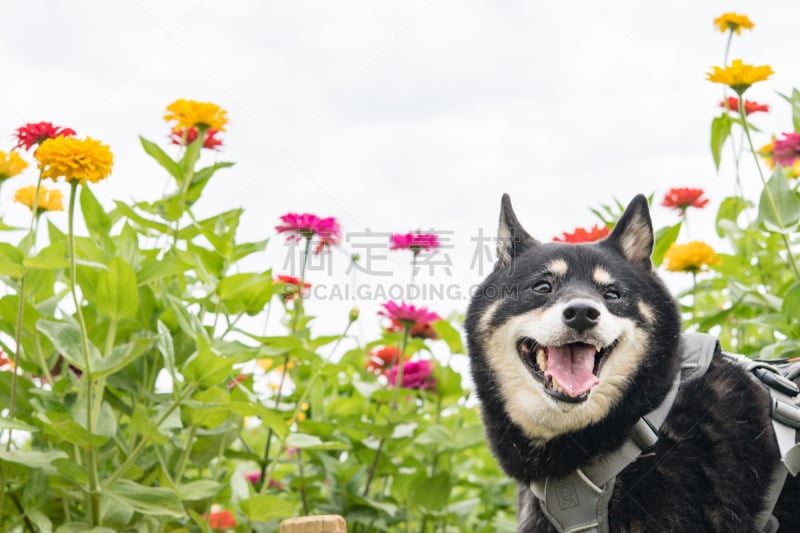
(567, 496)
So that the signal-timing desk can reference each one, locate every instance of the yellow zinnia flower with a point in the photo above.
(49, 199)
(74, 159)
(191, 113)
(690, 257)
(766, 152)
(11, 164)
(739, 76)
(733, 22)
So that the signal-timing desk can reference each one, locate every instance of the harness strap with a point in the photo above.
(578, 502)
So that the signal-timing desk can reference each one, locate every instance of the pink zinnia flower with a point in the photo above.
(682, 198)
(416, 375)
(34, 133)
(732, 103)
(306, 226)
(581, 235)
(416, 242)
(408, 314)
(787, 150)
(211, 142)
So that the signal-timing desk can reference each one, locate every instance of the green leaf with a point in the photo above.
(167, 348)
(147, 500)
(791, 303)
(117, 293)
(665, 237)
(32, 459)
(312, 442)
(200, 489)
(431, 493)
(62, 425)
(155, 151)
(720, 130)
(97, 221)
(52, 257)
(164, 268)
(67, 340)
(269, 417)
(265, 508)
(245, 292)
(121, 356)
(132, 215)
(10, 261)
(794, 100)
(16, 425)
(781, 212)
(144, 425)
(205, 368)
(450, 335)
(729, 210)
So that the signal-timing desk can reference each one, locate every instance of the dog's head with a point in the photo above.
(559, 333)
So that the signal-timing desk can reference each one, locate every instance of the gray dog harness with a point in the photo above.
(578, 502)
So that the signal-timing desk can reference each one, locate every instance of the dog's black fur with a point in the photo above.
(716, 453)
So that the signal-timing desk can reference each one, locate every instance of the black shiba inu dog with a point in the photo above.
(571, 347)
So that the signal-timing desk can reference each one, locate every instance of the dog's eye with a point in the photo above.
(542, 287)
(611, 294)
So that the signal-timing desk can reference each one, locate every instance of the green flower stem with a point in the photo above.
(93, 497)
(179, 469)
(398, 383)
(770, 199)
(134, 454)
(188, 176)
(298, 309)
(267, 476)
(694, 296)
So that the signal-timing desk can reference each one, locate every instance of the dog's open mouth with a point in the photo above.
(568, 372)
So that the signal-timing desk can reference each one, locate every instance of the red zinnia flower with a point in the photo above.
(34, 133)
(306, 226)
(5, 360)
(382, 357)
(416, 242)
(582, 235)
(292, 286)
(210, 142)
(682, 198)
(221, 520)
(408, 314)
(732, 103)
(787, 150)
(416, 375)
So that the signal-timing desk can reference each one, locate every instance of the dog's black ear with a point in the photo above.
(633, 234)
(511, 236)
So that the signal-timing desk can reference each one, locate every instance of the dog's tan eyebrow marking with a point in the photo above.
(601, 276)
(558, 267)
(647, 312)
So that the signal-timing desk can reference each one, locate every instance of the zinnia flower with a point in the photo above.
(682, 198)
(11, 164)
(221, 520)
(191, 113)
(732, 104)
(306, 226)
(420, 330)
(733, 22)
(383, 356)
(766, 152)
(416, 242)
(292, 287)
(49, 199)
(582, 235)
(5, 361)
(787, 150)
(416, 375)
(35, 133)
(690, 257)
(211, 142)
(74, 159)
(408, 314)
(739, 76)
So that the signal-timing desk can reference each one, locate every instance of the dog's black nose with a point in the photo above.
(581, 316)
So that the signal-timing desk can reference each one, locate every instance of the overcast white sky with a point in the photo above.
(394, 116)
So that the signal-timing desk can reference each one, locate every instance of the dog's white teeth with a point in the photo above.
(597, 348)
(557, 387)
(541, 359)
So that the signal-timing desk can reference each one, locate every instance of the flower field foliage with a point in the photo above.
(134, 397)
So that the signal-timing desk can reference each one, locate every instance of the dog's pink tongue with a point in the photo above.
(571, 366)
